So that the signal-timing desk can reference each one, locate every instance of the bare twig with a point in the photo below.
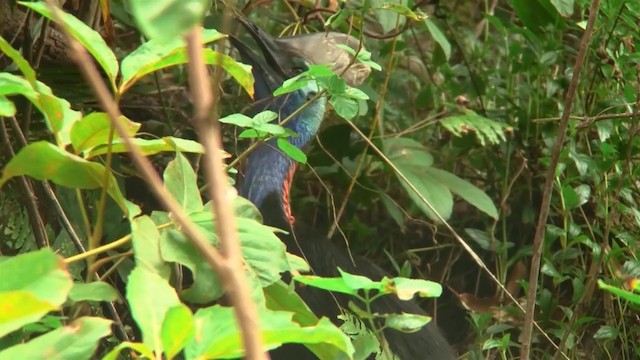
(206, 123)
(106, 100)
(29, 198)
(549, 178)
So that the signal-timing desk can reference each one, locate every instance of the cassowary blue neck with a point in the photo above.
(268, 169)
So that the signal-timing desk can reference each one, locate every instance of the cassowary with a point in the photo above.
(268, 173)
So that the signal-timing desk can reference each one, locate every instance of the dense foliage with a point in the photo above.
(434, 168)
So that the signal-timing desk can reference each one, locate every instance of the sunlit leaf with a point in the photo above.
(20, 308)
(168, 19)
(181, 181)
(93, 130)
(45, 161)
(89, 38)
(94, 291)
(150, 298)
(78, 340)
(218, 335)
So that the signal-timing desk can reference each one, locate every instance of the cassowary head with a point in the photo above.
(268, 170)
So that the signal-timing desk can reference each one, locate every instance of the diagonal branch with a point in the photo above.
(549, 178)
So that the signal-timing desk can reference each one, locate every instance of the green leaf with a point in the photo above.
(168, 19)
(12, 84)
(95, 291)
(45, 161)
(407, 323)
(469, 192)
(151, 147)
(41, 273)
(218, 335)
(262, 250)
(439, 37)
(7, 108)
(178, 329)
(20, 308)
(180, 180)
(21, 63)
(145, 239)
(78, 340)
(89, 38)
(564, 7)
(150, 298)
(57, 112)
(627, 295)
(155, 55)
(93, 130)
(412, 160)
(239, 120)
(407, 288)
(351, 284)
(345, 107)
(292, 151)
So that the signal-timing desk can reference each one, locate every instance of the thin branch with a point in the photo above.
(28, 196)
(207, 126)
(90, 72)
(549, 178)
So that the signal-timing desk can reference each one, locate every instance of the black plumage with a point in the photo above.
(266, 183)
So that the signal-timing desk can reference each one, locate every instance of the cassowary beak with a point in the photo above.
(277, 62)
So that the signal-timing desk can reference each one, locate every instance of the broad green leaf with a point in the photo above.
(239, 120)
(292, 151)
(41, 273)
(78, 340)
(150, 298)
(344, 106)
(12, 84)
(290, 85)
(21, 63)
(218, 335)
(485, 129)
(168, 19)
(151, 147)
(7, 108)
(388, 18)
(407, 288)
(439, 37)
(145, 238)
(155, 55)
(93, 130)
(535, 15)
(206, 286)
(412, 160)
(89, 38)
(181, 181)
(239, 71)
(45, 161)
(57, 112)
(263, 252)
(178, 329)
(20, 308)
(407, 323)
(94, 291)
(281, 297)
(564, 7)
(469, 192)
